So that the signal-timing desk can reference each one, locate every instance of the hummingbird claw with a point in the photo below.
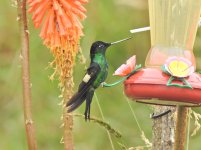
(102, 84)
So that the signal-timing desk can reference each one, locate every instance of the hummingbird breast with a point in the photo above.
(102, 75)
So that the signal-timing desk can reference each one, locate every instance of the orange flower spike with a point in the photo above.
(43, 33)
(66, 20)
(56, 5)
(80, 14)
(83, 1)
(51, 22)
(41, 6)
(77, 22)
(58, 10)
(77, 9)
(79, 6)
(51, 40)
(31, 9)
(62, 16)
(65, 5)
(38, 10)
(39, 19)
(33, 3)
(57, 41)
(61, 21)
(61, 28)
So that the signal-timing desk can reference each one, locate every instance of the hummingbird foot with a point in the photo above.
(86, 116)
(102, 84)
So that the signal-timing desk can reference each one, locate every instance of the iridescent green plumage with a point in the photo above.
(102, 75)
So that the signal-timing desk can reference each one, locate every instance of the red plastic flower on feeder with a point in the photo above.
(179, 67)
(59, 19)
(127, 68)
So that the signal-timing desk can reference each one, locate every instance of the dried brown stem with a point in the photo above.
(30, 131)
(67, 118)
(181, 126)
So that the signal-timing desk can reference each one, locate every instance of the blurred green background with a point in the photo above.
(108, 20)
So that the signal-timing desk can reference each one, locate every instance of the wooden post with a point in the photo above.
(163, 129)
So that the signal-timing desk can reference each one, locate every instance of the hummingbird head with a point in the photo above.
(101, 47)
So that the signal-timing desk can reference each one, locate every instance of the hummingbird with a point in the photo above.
(95, 75)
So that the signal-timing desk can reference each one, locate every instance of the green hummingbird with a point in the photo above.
(94, 76)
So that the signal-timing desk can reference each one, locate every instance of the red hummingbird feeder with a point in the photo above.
(169, 76)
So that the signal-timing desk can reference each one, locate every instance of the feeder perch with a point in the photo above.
(173, 26)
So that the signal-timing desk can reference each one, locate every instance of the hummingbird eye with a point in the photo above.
(100, 46)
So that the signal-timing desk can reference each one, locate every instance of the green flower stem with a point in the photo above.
(137, 68)
(187, 85)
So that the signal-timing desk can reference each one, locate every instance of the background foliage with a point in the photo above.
(108, 21)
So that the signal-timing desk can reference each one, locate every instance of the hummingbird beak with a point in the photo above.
(121, 40)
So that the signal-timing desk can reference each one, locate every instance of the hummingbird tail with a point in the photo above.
(75, 101)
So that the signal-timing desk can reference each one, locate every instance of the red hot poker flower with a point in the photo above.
(60, 30)
(59, 20)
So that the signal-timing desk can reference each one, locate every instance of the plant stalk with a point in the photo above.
(30, 131)
(181, 127)
(67, 118)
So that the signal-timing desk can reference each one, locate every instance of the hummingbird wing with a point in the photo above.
(79, 97)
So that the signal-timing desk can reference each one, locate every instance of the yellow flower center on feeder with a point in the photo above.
(179, 68)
